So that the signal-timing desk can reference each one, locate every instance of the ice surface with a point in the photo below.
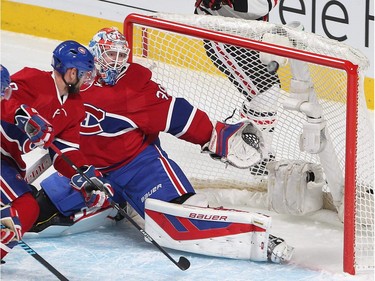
(118, 251)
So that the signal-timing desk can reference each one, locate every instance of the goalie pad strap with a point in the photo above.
(209, 231)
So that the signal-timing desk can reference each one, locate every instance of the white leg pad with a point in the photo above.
(208, 231)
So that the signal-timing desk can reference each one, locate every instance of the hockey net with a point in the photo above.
(172, 46)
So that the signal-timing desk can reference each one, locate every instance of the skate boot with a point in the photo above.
(278, 251)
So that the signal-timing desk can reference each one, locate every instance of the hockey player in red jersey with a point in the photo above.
(244, 68)
(44, 108)
(125, 112)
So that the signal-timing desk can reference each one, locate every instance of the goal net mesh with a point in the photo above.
(187, 67)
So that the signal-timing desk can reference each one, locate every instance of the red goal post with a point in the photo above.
(148, 50)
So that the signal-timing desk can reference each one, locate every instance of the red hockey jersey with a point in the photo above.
(37, 89)
(122, 120)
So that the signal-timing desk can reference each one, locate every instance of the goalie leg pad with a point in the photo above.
(209, 231)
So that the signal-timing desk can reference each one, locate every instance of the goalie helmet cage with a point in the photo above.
(173, 47)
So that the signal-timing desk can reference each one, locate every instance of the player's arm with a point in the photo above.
(187, 122)
(240, 145)
(157, 111)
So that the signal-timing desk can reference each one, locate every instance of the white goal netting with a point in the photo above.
(222, 79)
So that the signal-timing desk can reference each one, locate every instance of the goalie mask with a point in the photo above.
(110, 50)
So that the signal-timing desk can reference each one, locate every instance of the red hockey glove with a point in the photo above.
(93, 196)
(38, 129)
(11, 229)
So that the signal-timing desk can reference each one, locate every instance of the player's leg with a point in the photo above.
(153, 175)
(19, 209)
(62, 207)
(179, 218)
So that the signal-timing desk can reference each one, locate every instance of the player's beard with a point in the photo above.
(72, 88)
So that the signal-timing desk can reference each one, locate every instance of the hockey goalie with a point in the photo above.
(186, 223)
(125, 112)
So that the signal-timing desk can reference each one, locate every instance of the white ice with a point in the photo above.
(118, 252)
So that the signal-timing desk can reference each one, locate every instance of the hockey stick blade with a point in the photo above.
(183, 262)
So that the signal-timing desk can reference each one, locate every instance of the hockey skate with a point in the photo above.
(278, 251)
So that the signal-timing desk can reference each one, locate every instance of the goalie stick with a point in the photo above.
(183, 263)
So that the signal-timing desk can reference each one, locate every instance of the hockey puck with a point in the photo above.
(272, 67)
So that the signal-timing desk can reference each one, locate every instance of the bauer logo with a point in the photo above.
(152, 191)
(207, 217)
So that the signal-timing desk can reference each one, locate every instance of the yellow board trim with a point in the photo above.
(61, 25)
(369, 92)
(50, 23)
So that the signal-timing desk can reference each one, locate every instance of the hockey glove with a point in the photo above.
(11, 229)
(93, 196)
(38, 129)
(216, 4)
(240, 145)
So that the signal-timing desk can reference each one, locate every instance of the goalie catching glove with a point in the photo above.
(240, 145)
(93, 196)
(38, 129)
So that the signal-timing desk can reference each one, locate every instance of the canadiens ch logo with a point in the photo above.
(100, 122)
(91, 124)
